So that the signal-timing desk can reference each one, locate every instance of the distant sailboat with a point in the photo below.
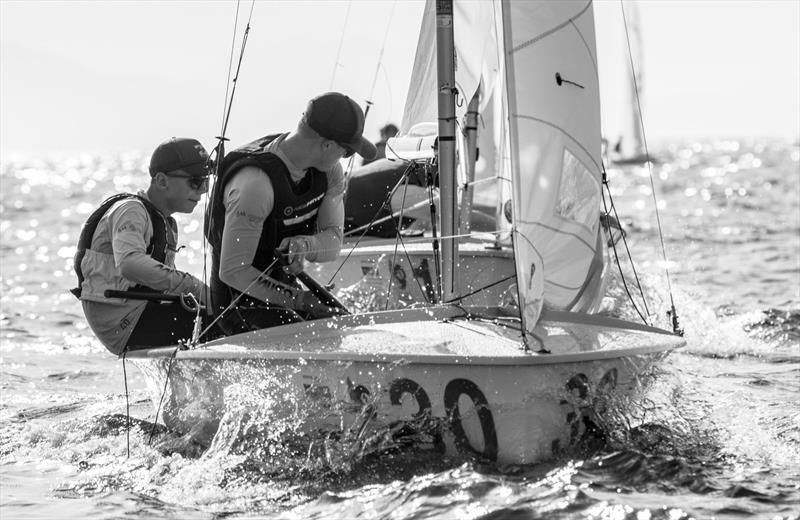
(623, 70)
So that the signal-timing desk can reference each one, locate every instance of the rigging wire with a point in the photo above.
(673, 314)
(127, 403)
(380, 59)
(481, 289)
(163, 393)
(219, 150)
(336, 64)
(227, 115)
(397, 239)
(386, 202)
(233, 302)
(411, 265)
(230, 68)
(220, 153)
(378, 67)
(616, 256)
(435, 242)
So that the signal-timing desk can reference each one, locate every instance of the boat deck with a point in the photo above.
(438, 335)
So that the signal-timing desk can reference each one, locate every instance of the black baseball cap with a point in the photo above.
(336, 117)
(180, 153)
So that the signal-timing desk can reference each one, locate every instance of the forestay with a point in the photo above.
(534, 65)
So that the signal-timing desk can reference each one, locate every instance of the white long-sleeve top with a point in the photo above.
(249, 200)
(117, 259)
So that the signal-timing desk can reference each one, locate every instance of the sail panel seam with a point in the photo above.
(551, 31)
(586, 44)
(556, 230)
(553, 125)
(562, 286)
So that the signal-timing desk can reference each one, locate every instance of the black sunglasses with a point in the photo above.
(348, 152)
(196, 183)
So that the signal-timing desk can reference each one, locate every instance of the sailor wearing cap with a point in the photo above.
(282, 191)
(129, 243)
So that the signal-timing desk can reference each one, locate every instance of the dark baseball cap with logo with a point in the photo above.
(180, 153)
(336, 117)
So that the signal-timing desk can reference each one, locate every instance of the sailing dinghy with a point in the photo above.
(507, 379)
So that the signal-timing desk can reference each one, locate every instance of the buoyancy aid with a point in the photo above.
(294, 211)
(157, 248)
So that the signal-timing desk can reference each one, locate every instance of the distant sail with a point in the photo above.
(622, 121)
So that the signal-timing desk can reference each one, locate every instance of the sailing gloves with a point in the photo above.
(295, 250)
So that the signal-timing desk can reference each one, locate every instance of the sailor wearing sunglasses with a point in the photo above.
(129, 244)
(284, 192)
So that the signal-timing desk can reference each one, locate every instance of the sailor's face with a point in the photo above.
(332, 152)
(184, 191)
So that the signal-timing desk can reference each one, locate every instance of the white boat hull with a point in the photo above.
(495, 399)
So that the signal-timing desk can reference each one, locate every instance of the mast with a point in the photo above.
(445, 67)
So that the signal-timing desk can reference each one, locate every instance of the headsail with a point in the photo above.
(554, 107)
(535, 65)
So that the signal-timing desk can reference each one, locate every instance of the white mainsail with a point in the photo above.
(535, 65)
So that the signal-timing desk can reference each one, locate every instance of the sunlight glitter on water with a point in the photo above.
(722, 435)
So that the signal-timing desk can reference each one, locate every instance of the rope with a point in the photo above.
(351, 161)
(238, 69)
(163, 393)
(397, 239)
(435, 240)
(380, 54)
(650, 170)
(386, 201)
(220, 148)
(230, 68)
(233, 302)
(387, 217)
(476, 291)
(616, 256)
(408, 259)
(127, 402)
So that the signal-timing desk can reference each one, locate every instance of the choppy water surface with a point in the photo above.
(717, 435)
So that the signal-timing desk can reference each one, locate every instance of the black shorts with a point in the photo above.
(253, 316)
(161, 325)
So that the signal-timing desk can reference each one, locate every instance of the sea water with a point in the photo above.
(717, 435)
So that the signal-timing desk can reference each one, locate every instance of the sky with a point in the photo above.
(125, 75)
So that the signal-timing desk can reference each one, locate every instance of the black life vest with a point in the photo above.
(157, 248)
(293, 212)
